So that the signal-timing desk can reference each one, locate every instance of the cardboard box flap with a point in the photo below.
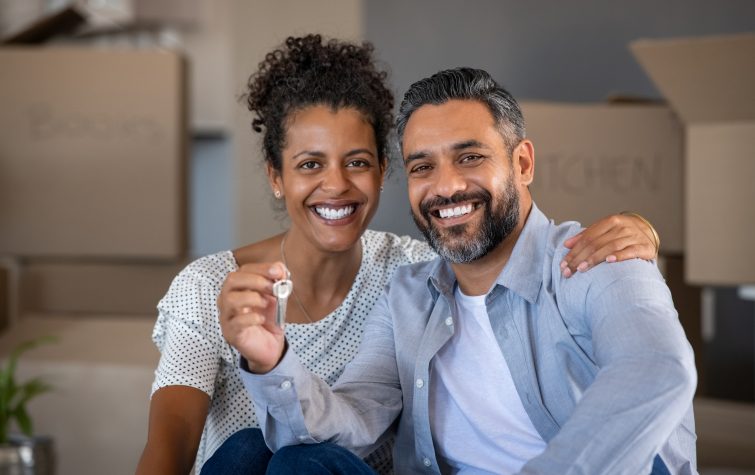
(56, 23)
(706, 79)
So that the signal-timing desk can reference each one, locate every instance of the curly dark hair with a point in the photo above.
(306, 71)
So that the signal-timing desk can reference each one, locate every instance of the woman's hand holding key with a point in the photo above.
(248, 310)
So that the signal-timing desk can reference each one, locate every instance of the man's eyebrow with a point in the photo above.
(416, 156)
(472, 143)
(468, 144)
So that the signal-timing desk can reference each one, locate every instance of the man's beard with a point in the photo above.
(497, 224)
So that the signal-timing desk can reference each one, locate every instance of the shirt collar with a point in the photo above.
(522, 273)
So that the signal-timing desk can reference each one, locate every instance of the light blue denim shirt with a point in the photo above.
(600, 362)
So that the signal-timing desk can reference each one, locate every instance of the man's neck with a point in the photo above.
(476, 278)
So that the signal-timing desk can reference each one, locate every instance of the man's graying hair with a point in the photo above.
(465, 84)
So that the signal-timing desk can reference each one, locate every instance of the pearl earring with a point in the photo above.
(277, 194)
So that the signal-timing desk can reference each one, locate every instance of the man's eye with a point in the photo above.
(359, 163)
(470, 158)
(419, 168)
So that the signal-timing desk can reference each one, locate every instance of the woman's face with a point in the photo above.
(330, 175)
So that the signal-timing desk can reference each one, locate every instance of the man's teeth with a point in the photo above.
(454, 212)
(334, 213)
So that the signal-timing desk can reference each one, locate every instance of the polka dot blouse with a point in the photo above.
(194, 353)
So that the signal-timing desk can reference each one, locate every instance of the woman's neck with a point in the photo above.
(322, 279)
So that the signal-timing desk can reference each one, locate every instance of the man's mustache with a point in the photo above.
(460, 197)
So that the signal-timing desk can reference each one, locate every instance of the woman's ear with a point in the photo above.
(275, 180)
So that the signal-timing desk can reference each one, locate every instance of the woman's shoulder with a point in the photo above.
(211, 267)
(395, 248)
(208, 272)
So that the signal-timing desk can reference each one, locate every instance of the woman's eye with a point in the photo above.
(309, 165)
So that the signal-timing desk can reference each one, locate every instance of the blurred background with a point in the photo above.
(125, 153)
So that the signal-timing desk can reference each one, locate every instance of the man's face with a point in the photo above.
(462, 186)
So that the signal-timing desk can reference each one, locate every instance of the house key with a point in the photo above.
(282, 290)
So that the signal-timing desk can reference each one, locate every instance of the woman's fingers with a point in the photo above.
(611, 239)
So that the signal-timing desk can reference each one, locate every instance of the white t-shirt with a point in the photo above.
(194, 352)
(478, 422)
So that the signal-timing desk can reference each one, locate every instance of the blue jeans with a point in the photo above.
(245, 453)
(659, 468)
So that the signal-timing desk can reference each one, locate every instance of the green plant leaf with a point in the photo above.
(23, 420)
(11, 393)
(24, 347)
(31, 389)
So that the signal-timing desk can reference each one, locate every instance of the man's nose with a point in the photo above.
(449, 181)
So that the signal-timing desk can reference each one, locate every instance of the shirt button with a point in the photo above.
(426, 461)
(286, 385)
(302, 438)
(420, 383)
(449, 321)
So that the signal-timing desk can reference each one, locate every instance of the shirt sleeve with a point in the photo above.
(646, 377)
(186, 335)
(294, 406)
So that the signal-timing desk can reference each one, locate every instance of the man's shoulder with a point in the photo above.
(416, 274)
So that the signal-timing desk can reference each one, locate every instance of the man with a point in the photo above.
(488, 360)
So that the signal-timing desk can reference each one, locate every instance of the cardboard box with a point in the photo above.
(101, 370)
(93, 153)
(592, 160)
(725, 435)
(94, 288)
(115, 14)
(709, 83)
(4, 300)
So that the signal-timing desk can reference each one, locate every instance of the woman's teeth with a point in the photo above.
(454, 212)
(334, 213)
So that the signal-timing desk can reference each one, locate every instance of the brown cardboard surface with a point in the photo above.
(708, 81)
(721, 202)
(4, 300)
(592, 160)
(121, 340)
(124, 14)
(92, 153)
(704, 79)
(94, 288)
(725, 434)
(101, 370)
(47, 26)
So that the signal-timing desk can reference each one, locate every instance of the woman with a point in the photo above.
(326, 112)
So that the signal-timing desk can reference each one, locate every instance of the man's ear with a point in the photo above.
(275, 180)
(524, 161)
